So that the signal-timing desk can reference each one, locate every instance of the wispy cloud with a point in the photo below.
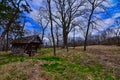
(112, 8)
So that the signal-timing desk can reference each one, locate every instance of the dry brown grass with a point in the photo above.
(31, 69)
(108, 56)
(27, 70)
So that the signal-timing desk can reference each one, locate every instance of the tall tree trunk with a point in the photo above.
(85, 43)
(88, 26)
(74, 38)
(57, 36)
(57, 41)
(118, 40)
(7, 42)
(65, 38)
(51, 23)
(42, 35)
(4, 42)
(2, 36)
(67, 43)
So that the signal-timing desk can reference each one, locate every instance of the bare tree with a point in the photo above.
(50, 40)
(43, 20)
(57, 34)
(51, 23)
(67, 12)
(117, 31)
(74, 37)
(93, 5)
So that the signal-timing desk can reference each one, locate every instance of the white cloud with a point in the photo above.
(102, 24)
(36, 3)
(109, 21)
(108, 3)
(116, 15)
(78, 33)
(34, 14)
(28, 24)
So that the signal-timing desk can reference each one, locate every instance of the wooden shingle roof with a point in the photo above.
(28, 39)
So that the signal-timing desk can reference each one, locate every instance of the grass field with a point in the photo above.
(97, 63)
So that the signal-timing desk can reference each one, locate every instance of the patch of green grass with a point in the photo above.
(9, 58)
(52, 58)
(8, 78)
(45, 50)
(54, 67)
(74, 65)
(60, 68)
(109, 77)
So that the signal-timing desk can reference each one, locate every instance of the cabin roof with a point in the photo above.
(28, 39)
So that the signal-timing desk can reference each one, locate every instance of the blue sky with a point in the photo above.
(113, 12)
(32, 24)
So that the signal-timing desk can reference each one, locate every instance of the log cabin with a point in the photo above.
(28, 45)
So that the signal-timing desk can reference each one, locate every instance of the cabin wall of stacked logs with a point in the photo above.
(18, 48)
(21, 49)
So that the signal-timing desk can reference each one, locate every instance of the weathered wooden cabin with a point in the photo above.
(27, 45)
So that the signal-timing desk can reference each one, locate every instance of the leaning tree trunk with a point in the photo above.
(88, 26)
(8, 26)
(85, 43)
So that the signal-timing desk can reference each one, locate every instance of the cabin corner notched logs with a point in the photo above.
(27, 45)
